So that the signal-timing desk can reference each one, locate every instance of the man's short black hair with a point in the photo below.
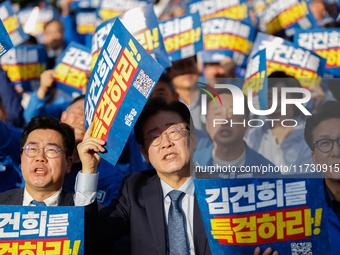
(227, 91)
(328, 110)
(156, 105)
(48, 122)
(75, 100)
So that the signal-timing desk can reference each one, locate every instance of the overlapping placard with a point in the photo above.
(182, 36)
(24, 64)
(109, 9)
(256, 79)
(11, 23)
(73, 67)
(5, 41)
(324, 42)
(287, 215)
(234, 9)
(287, 15)
(121, 83)
(41, 230)
(86, 22)
(83, 4)
(34, 19)
(224, 37)
(296, 61)
(142, 23)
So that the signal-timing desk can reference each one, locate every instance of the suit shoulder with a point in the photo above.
(142, 176)
(12, 197)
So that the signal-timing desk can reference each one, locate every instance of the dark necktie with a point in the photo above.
(178, 243)
(38, 203)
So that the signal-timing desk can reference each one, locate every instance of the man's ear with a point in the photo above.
(145, 154)
(63, 116)
(69, 162)
(313, 158)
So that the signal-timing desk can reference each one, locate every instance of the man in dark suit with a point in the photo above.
(147, 205)
(46, 157)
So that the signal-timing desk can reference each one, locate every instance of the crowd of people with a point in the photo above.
(147, 200)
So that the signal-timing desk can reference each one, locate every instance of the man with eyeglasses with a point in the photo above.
(322, 134)
(47, 148)
(158, 207)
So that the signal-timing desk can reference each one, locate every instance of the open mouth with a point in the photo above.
(170, 156)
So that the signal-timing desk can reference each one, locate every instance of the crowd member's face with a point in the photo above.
(76, 119)
(328, 129)
(53, 35)
(41, 172)
(162, 90)
(277, 114)
(184, 73)
(225, 134)
(169, 157)
(317, 8)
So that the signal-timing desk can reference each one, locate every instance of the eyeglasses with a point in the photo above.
(173, 133)
(50, 151)
(326, 145)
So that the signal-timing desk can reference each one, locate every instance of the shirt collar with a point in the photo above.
(50, 201)
(187, 187)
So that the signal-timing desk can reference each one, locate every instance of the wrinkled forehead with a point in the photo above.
(162, 120)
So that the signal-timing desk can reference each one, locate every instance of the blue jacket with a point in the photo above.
(10, 172)
(334, 230)
(11, 100)
(37, 106)
(204, 158)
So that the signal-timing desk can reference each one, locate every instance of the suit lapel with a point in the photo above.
(200, 237)
(153, 197)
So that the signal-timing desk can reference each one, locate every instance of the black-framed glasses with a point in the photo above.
(51, 151)
(326, 145)
(173, 133)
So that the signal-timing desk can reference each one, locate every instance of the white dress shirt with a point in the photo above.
(51, 201)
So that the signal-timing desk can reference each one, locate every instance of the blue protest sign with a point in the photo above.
(325, 43)
(285, 56)
(256, 80)
(72, 68)
(234, 9)
(182, 36)
(288, 16)
(224, 37)
(5, 41)
(287, 215)
(109, 9)
(24, 64)
(120, 84)
(11, 23)
(41, 230)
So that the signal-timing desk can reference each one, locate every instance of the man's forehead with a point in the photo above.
(327, 128)
(167, 118)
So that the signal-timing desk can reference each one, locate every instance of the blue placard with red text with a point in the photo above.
(288, 215)
(287, 16)
(41, 230)
(24, 64)
(324, 42)
(285, 56)
(256, 79)
(72, 68)
(182, 36)
(121, 83)
(208, 9)
(224, 37)
(11, 23)
(5, 41)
